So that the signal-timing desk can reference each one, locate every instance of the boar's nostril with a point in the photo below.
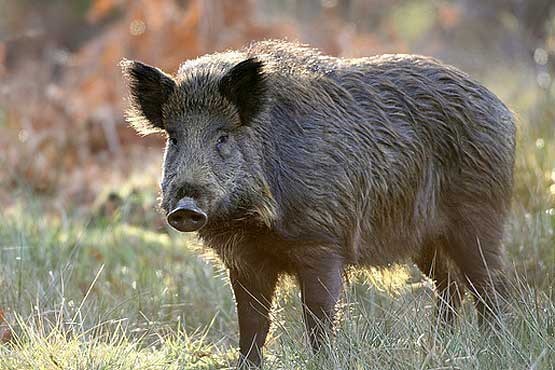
(187, 216)
(196, 218)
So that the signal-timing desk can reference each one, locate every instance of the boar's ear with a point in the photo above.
(244, 86)
(150, 89)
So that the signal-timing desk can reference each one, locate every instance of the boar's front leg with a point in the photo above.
(254, 289)
(321, 282)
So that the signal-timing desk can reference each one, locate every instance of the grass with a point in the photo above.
(89, 290)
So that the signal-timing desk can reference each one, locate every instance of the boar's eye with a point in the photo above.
(221, 142)
(173, 140)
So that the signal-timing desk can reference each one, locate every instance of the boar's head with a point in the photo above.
(212, 163)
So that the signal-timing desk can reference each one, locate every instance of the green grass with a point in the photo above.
(90, 290)
(116, 296)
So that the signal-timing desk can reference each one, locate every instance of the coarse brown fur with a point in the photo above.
(332, 162)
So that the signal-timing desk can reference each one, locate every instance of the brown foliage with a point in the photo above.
(5, 330)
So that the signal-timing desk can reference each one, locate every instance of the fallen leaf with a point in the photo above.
(5, 331)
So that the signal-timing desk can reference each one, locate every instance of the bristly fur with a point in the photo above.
(375, 155)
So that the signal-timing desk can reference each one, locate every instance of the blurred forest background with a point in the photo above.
(62, 132)
(90, 275)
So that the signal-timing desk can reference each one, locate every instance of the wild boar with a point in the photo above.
(287, 161)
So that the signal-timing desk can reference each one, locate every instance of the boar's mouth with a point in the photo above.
(187, 216)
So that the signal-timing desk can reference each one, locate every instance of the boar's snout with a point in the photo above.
(187, 216)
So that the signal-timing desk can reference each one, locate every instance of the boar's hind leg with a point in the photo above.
(475, 246)
(254, 290)
(434, 264)
(321, 283)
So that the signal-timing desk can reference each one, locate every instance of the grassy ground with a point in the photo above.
(82, 290)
